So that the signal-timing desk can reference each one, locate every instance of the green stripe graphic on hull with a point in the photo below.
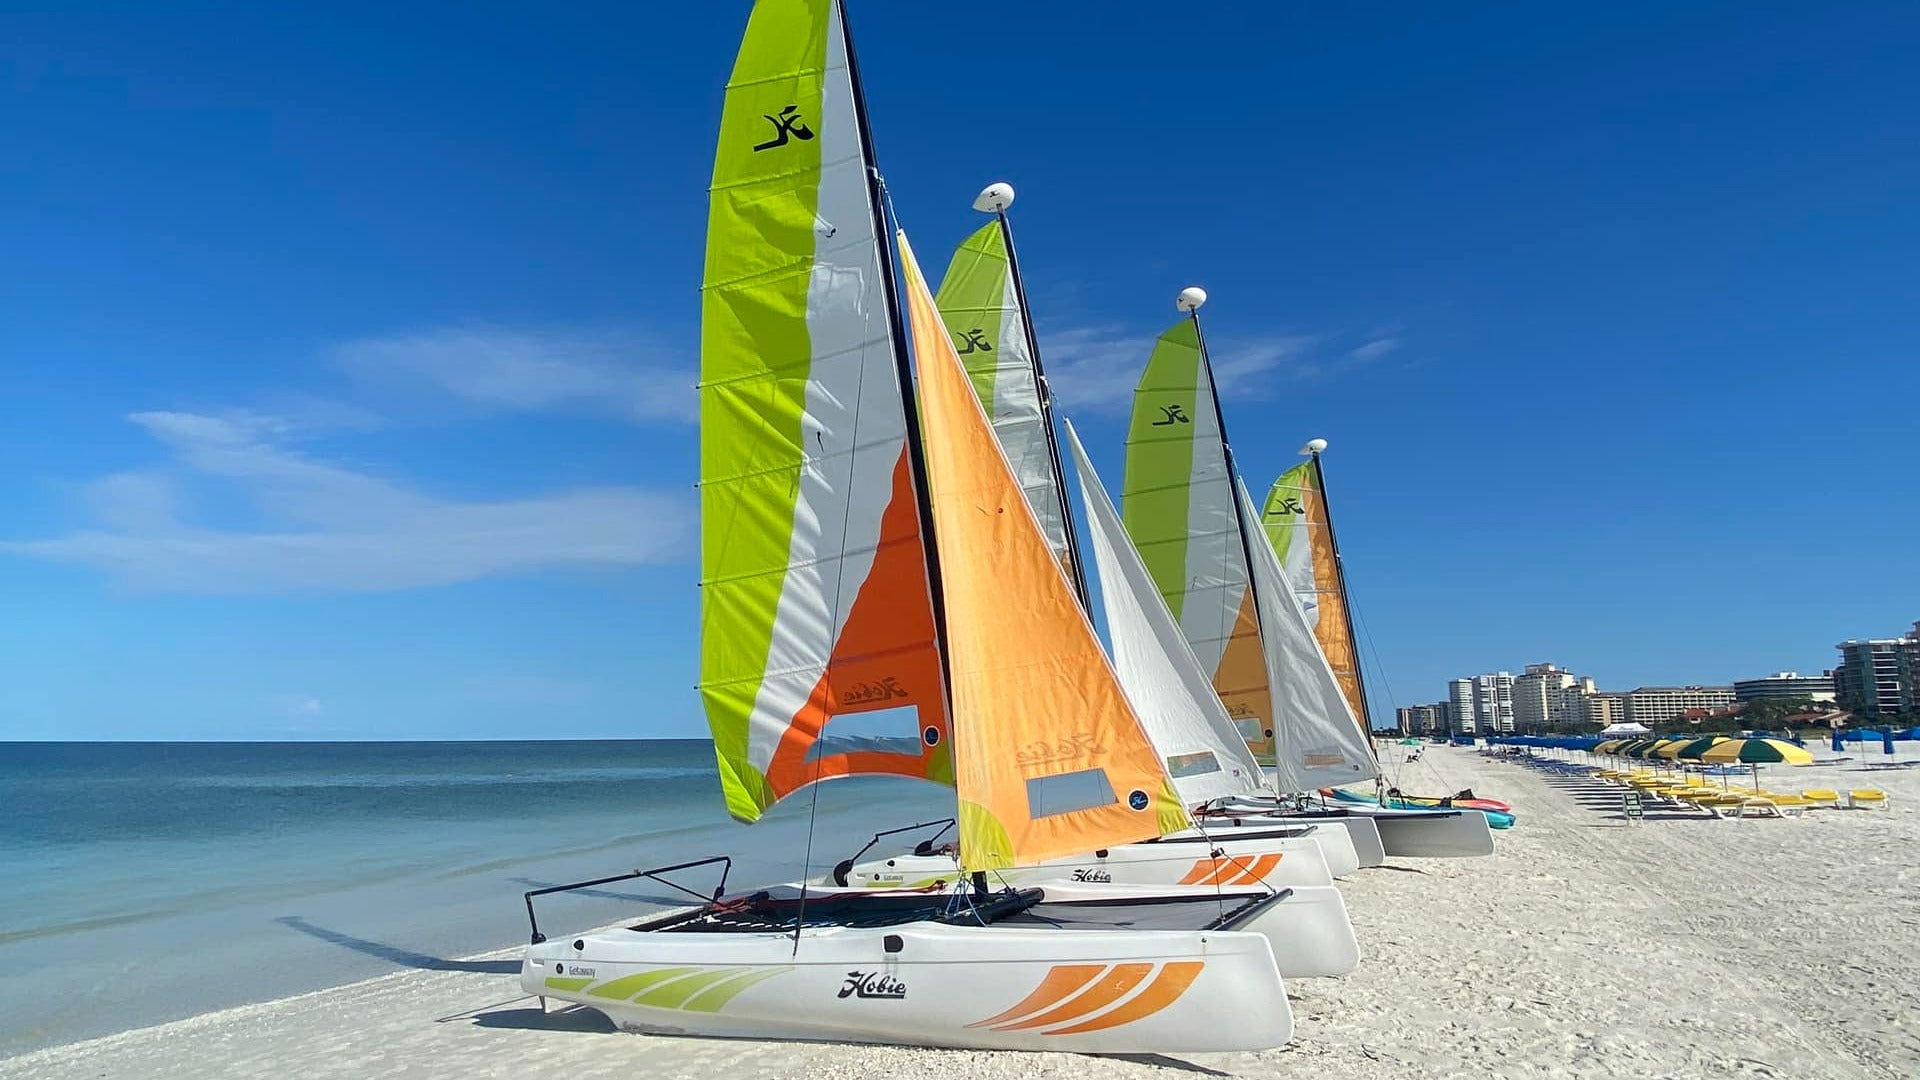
(674, 993)
(628, 985)
(691, 989)
(715, 997)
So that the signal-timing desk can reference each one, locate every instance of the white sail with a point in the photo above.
(1317, 740)
(1175, 699)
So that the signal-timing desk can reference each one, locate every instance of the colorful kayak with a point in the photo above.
(1499, 814)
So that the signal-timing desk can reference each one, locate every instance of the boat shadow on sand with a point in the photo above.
(578, 1018)
(395, 954)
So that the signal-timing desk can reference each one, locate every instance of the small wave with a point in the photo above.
(624, 840)
(81, 926)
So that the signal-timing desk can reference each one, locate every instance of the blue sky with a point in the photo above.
(346, 353)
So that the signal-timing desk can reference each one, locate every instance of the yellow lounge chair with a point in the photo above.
(1720, 805)
(1822, 797)
(1868, 798)
(1768, 808)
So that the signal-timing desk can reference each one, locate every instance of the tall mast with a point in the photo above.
(916, 453)
(1190, 301)
(1313, 450)
(995, 200)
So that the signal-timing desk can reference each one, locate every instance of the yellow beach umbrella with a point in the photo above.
(1756, 752)
(1752, 751)
(1671, 748)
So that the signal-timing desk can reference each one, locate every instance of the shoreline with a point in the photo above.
(1584, 947)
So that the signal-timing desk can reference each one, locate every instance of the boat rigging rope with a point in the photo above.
(839, 591)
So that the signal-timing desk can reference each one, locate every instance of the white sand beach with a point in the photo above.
(1585, 947)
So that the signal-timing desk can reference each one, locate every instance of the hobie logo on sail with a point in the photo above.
(786, 125)
(974, 340)
(1084, 874)
(1289, 505)
(872, 984)
(1078, 745)
(864, 692)
(1172, 414)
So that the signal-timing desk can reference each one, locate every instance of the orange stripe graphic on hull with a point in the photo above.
(1061, 981)
(1109, 988)
(1072, 994)
(1231, 870)
(1261, 867)
(1203, 869)
(1163, 991)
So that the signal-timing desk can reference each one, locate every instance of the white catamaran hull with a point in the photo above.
(1336, 846)
(1275, 861)
(933, 984)
(1429, 834)
(1360, 833)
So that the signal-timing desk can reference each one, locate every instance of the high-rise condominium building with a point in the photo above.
(1460, 706)
(1425, 719)
(1879, 677)
(1540, 697)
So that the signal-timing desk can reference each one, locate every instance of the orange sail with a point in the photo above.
(1049, 757)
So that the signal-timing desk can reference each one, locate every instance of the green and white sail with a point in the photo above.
(980, 302)
(1178, 503)
(1296, 522)
(815, 582)
(1173, 695)
(1318, 742)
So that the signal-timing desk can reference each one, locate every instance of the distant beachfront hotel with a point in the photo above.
(1650, 705)
(1786, 684)
(1878, 678)
(1548, 696)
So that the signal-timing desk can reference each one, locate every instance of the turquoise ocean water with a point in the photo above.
(145, 882)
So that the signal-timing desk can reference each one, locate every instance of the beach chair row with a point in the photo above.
(1702, 794)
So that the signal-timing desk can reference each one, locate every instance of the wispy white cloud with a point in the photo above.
(1374, 349)
(335, 527)
(504, 369)
(1095, 368)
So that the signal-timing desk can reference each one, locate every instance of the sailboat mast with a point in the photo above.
(1191, 298)
(998, 197)
(1312, 451)
(896, 326)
